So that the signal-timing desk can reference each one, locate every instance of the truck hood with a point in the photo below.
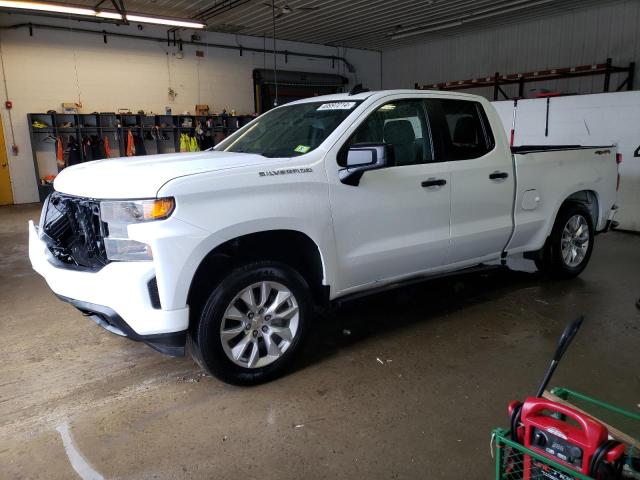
(142, 177)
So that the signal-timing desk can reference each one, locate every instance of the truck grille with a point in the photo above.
(73, 231)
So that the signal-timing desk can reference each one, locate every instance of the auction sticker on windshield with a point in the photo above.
(302, 149)
(337, 106)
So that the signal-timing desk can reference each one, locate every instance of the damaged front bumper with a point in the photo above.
(117, 297)
(172, 344)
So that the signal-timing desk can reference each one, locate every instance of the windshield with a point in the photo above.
(291, 130)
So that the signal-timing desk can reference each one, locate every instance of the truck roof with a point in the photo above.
(345, 97)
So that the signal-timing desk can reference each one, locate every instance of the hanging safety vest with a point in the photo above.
(131, 149)
(60, 154)
(107, 148)
(193, 145)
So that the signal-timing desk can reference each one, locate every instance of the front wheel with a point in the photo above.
(568, 248)
(254, 323)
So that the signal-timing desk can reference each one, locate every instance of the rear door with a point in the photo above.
(396, 221)
(482, 180)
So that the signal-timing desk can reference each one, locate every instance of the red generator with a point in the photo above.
(571, 438)
(567, 436)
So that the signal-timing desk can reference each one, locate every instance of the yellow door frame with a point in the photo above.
(6, 195)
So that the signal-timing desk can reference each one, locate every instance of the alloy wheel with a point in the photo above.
(259, 324)
(574, 242)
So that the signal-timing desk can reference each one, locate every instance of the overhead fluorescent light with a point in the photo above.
(509, 9)
(425, 30)
(473, 16)
(165, 21)
(110, 15)
(48, 7)
(91, 12)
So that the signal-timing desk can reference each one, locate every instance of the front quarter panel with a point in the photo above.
(286, 194)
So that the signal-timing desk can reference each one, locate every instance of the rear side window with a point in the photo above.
(466, 131)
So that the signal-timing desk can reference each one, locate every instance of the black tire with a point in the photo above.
(207, 346)
(551, 261)
(192, 350)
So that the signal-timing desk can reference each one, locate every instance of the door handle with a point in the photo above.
(498, 175)
(434, 182)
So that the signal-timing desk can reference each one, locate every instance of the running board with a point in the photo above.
(416, 280)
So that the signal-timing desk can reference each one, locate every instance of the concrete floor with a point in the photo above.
(453, 353)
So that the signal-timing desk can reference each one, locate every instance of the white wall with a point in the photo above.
(579, 37)
(135, 74)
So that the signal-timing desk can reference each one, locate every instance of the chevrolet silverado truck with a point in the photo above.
(227, 252)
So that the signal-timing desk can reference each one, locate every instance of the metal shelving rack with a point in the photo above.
(116, 127)
(498, 80)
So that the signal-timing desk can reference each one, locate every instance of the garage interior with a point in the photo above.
(408, 383)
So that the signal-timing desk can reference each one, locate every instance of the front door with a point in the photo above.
(396, 221)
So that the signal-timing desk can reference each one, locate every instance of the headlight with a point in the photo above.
(136, 211)
(119, 214)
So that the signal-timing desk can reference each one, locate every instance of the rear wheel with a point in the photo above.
(568, 248)
(254, 323)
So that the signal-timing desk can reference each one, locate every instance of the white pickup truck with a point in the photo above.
(229, 250)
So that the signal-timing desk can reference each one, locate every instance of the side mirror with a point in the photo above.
(362, 157)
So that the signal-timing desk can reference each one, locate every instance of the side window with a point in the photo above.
(467, 132)
(401, 124)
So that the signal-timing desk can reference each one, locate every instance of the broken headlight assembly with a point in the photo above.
(119, 214)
